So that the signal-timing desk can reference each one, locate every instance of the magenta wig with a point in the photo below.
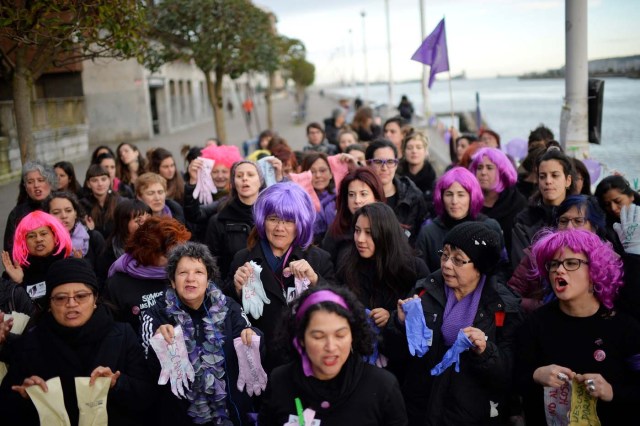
(223, 154)
(605, 266)
(288, 201)
(35, 220)
(507, 175)
(470, 184)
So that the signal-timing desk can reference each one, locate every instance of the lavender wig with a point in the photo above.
(605, 266)
(507, 175)
(470, 184)
(288, 201)
(35, 220)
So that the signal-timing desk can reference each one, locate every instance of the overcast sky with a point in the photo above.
(484, 37)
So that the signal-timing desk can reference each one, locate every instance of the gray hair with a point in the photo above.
(45, 170)
(197, 251)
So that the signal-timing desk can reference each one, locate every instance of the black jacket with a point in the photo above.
(196, 214)
(410, 208)
(361, 394)
(459, 398)
(50, 350)
(227, 233)
(510, 202)
(529, 221)
(176, 210)
(275, 284)
(174, 410)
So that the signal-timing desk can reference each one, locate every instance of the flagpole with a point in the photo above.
(451, 99)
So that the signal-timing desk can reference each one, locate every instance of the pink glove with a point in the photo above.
(204, 185)
(339, 169)
(174, 361)
(304, 180)
(251, 372)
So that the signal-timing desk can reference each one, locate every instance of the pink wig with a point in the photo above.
(35, 220)
(507, 175)
(470, 184)
(223, 154)
(605, 266)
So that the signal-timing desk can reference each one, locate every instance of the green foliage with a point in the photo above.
(56, 33)
(303, 73)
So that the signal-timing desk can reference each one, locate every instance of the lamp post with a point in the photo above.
(366, 62)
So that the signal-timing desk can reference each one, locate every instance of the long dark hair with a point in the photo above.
(567, 168)
(311, 157)
(125, 211)
(91, 202)
(175, 186)
(74, 185)
(394, 263)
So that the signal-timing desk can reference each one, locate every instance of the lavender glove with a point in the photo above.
(419, 336)
(204, 185)
(253, 295)
(174, 361)
(376, 358)
(251, 372)
(452, 356)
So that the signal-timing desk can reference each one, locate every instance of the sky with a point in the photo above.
(485, 38)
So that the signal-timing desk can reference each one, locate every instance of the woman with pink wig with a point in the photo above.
(457, 198)
(498, 178)
(40, 240)
(579, 338)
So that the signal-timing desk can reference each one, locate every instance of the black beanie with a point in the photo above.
(70, 270)
(479, 242)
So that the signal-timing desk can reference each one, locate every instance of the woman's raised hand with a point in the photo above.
(242, 276)
(14, 270)
(301, 269)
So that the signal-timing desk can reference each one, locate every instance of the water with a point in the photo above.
(514, 107)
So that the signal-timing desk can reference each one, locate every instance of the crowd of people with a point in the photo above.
(345, 283)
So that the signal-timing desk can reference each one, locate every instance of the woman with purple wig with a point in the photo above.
(280, 244)
(498, 177)
(580, 338)
(457, 199)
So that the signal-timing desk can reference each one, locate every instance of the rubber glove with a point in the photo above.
(204, 185)
(627, 229)
(452, 356)
(174, 361)
(253, 295)
(419, 336)
(268, 171)
(251, 372)
(376, 358)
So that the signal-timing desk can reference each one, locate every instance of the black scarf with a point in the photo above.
(237, 211)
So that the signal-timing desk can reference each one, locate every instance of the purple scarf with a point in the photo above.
(166, 211)
(80, 238)
(459, 314)
(127, 264)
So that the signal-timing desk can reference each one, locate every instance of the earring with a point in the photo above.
(95, 306)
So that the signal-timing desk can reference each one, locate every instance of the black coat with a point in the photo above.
(174, 410)
(529, 221)
(50, 350)
(275, 284)
(410, 208)
(361, 394)
(459, 398)
(510, 202)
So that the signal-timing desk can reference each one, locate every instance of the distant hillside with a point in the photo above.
(628, 66)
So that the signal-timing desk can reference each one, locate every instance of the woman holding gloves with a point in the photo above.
(279, 261)
(211, 324)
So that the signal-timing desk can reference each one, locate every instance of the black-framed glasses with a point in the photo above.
(455, 260)
(578, 222)
(569, 264)
(379, 162)
(63, 299)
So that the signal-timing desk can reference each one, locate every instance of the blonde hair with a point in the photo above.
(147, 179)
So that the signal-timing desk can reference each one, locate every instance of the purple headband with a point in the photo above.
(314, 299)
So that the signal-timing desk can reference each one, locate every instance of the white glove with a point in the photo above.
(204, 185)
(253, 295)
(268, 171)
(627, 229)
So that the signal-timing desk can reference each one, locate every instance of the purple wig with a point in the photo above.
(34, 220)
(470, 184)
(288, 201)
(605, 266)
(507, 175)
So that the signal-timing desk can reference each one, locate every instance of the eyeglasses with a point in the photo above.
(63, 299)
(455, 260)
(275, 220)
(569, 264)
(391, 163)
(578, 222)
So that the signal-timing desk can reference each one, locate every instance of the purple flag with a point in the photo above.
(433, 51)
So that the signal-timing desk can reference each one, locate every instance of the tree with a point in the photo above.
(38, 35)
(222, 37)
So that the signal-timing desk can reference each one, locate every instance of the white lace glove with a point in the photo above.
(627, 229)
(253, 295)
(204, 185)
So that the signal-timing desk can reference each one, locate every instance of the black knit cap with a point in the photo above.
(70, 270)
(479, 242)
